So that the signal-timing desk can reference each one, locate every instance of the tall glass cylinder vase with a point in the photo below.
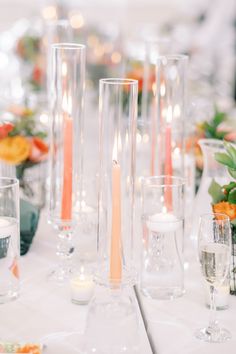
(59, 31)
(117, 140)
(66, 154)
(167, 127)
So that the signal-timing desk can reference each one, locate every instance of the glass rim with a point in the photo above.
(69, 46)
(118, 81)
(179, 181)
(12, 182)
(179, 57)
(209, 216)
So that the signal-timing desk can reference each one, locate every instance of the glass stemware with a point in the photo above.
(214, 246)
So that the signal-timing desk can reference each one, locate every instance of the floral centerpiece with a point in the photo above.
(20, 348)
(22, 142)
(224, 201)
(219, 128)
(28, 49)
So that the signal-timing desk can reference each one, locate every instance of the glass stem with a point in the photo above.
(65, 249)
(213, 323)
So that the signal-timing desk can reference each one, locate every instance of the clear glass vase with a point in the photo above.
(112, 312)
(211, 170)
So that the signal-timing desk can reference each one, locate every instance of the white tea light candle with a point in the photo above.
(164, 223)
(82, 289)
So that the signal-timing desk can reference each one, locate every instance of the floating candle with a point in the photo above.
(164, 223)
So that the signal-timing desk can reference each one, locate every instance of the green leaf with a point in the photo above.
(231, 150)
(229, 186)
(232, 196)
(218, 118)
(224, 159)
(215, 191)
(232, 172)
(233, 222)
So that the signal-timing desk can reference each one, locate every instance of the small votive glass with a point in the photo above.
(82, 286)
(9, 239)
(162, 269)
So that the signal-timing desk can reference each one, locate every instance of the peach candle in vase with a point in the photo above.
(116, 254)
(168, 158)
(66, 208)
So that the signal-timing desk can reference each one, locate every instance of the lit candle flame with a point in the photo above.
(64, 69)
(67, 104)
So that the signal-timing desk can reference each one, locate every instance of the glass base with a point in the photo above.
(9, 296)
(220, 336)
(162, 293)
(60, 275)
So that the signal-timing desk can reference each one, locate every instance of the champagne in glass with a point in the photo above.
(214, 243)
(214, 260)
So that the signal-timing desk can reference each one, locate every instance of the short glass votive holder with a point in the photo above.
(82, 286)
(162, 269)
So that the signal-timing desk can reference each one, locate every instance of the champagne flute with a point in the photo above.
(214, 246)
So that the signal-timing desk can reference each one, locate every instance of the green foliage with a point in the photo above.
(232, 196)
(216, 192)
(228, 159)
(226, 192)
(211, 128)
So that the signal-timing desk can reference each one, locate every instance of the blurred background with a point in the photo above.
(203, 29)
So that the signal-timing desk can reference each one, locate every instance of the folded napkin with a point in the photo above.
(29, 217)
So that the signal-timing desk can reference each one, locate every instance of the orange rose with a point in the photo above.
(225, 208)
(15, 149)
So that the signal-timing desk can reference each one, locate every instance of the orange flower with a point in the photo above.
(225, 208)
(5, 129)
(138, 74)
(38, 150)
(30, 348)
(37, 75)
(15, 149)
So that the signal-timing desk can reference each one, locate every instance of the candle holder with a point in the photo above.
(9, 239)
(141, 64)
(112, 312)
(82, 285)
(162, 274)
(66, 147)
(59, 31)
(167, 129)
(117, 136)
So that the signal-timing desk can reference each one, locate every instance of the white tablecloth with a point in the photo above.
(43, 308)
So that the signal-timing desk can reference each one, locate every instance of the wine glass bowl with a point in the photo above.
(214, 247)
